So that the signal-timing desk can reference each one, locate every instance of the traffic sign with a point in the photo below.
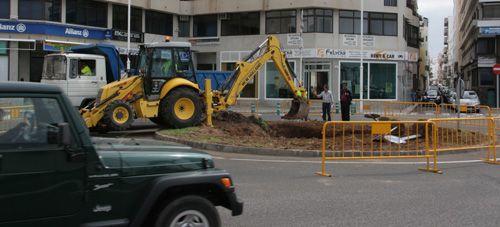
(496, 69)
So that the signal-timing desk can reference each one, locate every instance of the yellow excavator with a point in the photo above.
(166, 92)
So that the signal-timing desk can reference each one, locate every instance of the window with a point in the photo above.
(32, 121)
(82, 68)
(486, 46)
(390, 2)
(276, 86)
(380, 84)
(5, 9)
(349, 22)
(281, 22)
(382, 81)
(40, 10)
(54, 68)
(183, 63)
(349, 73)
(486, 77)
(162, 63)
(205, 26)
(318, 20)
(184, 26)
(120, 18)
(374, 23)
(87, 12)
(491, 10)
(241, 24)
(411, 35)
(159, 23)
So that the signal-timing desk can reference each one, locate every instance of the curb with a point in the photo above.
(242, 150)
(271, 151)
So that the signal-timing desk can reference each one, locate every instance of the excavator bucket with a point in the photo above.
(298, 110)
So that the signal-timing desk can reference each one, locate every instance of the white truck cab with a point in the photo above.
(78, 75)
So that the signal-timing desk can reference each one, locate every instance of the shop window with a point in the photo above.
(87, 12)
(382, 81)
(241, 24)
(184, 26)
(120, 13)
(205, 26)
(5, 9)
(318, 20)
(349, 74)
(40, 10)
(486, 77)
(3, 48)
(486, 46)
(281, 22)
(491, 11)
(159, 23)
(276, 86)
(390, 2)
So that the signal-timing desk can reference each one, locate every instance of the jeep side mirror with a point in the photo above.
(64, 134)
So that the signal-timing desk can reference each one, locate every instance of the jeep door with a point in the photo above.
(39, 183)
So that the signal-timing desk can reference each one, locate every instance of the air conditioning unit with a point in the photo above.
(224, 16)
(183, 18)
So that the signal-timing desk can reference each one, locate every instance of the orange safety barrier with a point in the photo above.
(379, 140)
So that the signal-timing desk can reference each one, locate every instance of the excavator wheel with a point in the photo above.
(118, 116)
(181, 108)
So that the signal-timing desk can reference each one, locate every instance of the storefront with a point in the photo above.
(385, 75)
(4, 61)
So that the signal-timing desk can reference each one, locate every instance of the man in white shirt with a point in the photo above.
(328, 102)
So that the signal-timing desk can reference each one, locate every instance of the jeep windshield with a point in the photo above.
(54, 68)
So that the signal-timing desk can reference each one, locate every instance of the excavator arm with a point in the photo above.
(246, 71)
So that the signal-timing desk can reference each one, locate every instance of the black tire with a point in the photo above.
(168, 111)
(156, 120)
(118, 122)
(197, 206)
(85, 102)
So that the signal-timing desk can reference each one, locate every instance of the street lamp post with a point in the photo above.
(128, 36)
(361, 70)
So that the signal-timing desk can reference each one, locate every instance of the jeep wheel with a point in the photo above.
(189, 211)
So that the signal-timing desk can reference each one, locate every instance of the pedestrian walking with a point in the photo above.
(328, 102)
(345, 102)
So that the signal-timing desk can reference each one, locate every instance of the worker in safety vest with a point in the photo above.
(86, 71)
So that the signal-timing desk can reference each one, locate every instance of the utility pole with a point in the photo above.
(128, 36)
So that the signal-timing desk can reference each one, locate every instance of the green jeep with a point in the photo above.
(51, 174)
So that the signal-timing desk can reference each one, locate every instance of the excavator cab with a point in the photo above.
(160, 62)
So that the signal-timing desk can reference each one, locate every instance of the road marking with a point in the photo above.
(347, 162)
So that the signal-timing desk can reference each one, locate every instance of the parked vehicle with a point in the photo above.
(51, 173)
(470, 101)
(432, 96)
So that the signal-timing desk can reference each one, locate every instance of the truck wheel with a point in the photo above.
(118, 116)
(181, 108)
(189, 211)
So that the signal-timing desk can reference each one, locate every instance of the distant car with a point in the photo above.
(469, 102)
(432, 96)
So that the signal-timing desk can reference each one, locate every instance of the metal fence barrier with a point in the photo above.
(379, 140)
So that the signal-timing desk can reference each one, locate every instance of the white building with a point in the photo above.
(225, 31)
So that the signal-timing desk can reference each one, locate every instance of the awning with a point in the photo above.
(59, 46)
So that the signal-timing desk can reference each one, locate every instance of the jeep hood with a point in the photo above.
(149, 160)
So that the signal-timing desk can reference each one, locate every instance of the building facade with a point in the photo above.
(478, 24)
(321, 38)
(424, 59)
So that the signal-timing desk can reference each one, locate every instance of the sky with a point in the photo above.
(436, 11)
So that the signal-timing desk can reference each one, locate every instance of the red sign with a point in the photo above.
(496, 69)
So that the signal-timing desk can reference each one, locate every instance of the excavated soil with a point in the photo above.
(236, 129)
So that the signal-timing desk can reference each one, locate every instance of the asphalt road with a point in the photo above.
(287, 193)
(281, 191)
